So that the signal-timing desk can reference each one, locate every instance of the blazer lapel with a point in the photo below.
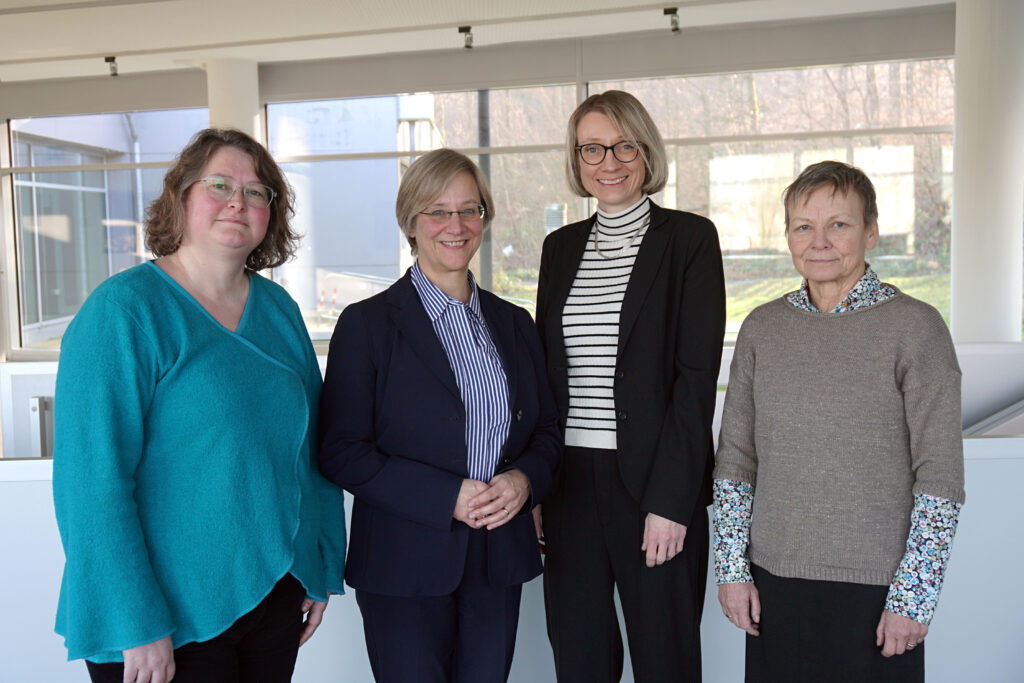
(645, 270)
(411, 320)
(561, 282)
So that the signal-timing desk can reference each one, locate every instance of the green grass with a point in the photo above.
(742, 298)
(932, 289)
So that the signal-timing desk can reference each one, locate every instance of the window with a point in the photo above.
(735, 141)
(74, 226)
(345, 159)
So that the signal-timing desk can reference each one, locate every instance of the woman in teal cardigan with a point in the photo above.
(196, 528)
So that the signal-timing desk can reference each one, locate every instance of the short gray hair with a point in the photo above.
(425, 181)
(634, 124)
(841, 177)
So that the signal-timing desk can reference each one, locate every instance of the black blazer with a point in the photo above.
(393, 433)
(671, 329)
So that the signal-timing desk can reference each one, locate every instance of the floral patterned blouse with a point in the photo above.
(914, 591)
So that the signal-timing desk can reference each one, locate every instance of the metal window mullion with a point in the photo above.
(363, 156)
(17, 170)
(35, 257)
(58, 186)
(807, 135)
(106, 224)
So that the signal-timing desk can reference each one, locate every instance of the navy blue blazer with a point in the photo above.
(393, 433)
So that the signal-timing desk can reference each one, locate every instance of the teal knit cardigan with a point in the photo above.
(184, 467)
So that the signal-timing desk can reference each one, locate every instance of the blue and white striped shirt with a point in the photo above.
(475, 360)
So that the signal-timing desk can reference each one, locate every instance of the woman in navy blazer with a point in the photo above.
(437, 416)
(631, 311)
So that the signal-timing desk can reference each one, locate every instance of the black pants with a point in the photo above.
(594, 529)
(823, 631)
(467, 636)
(261, 646)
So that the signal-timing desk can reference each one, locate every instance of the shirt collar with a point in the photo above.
(435, 301)
(868, 291)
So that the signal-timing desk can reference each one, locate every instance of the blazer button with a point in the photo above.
(619, 374)
(519, 415)
(621, 415)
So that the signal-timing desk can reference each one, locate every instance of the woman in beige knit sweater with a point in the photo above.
(839, 475)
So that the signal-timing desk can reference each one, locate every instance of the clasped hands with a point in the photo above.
(491, 505)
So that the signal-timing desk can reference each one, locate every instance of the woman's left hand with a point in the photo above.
(897, 634)
(663, 539)
(314, 612)
(500, 501)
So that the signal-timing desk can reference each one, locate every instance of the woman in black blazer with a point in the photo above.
(631, 311)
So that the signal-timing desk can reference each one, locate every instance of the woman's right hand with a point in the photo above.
(741, 605)
(470, 489)
(150, 663)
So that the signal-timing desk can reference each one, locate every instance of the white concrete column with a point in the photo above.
(233, 94)
(988, 172)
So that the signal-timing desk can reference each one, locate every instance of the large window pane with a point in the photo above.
(76, 228)
(821, 99)
(423, 121)
(738, 184)
(504, 117)
(351, 245)
(531, 200)
(124, 137)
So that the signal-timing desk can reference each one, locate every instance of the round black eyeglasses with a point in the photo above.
(594, 153)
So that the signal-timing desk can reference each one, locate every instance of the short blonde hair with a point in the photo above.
(633, 122)
(426, 180)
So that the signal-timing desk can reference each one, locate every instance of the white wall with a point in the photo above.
(974, 637)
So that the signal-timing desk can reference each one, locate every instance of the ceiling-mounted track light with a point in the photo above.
(673, 14)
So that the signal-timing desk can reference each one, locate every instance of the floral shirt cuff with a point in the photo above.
(914, 592)
(734, 502)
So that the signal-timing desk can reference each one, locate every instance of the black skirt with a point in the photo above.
(815, 631)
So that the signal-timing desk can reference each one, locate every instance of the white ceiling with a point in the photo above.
(42, 39)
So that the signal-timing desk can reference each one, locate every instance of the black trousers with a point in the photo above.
(594, 529)
(261, 645)
(823, 631)
(467, 636)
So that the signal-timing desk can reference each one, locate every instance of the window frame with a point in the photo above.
(923, 33)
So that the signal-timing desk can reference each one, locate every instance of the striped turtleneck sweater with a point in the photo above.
(590, 323)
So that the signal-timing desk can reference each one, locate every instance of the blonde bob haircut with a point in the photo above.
(633, 122)
(425, 181)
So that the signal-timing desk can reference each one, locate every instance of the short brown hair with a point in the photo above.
(633, 122)
(841, 177)
(165, 217)
(425, 181)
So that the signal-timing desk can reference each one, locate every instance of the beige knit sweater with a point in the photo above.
(837, 420)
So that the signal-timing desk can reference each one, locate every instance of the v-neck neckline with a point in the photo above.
(177, 285)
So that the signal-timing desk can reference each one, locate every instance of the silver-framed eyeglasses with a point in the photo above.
(256, 195)
(594, 153)
(470, 213)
